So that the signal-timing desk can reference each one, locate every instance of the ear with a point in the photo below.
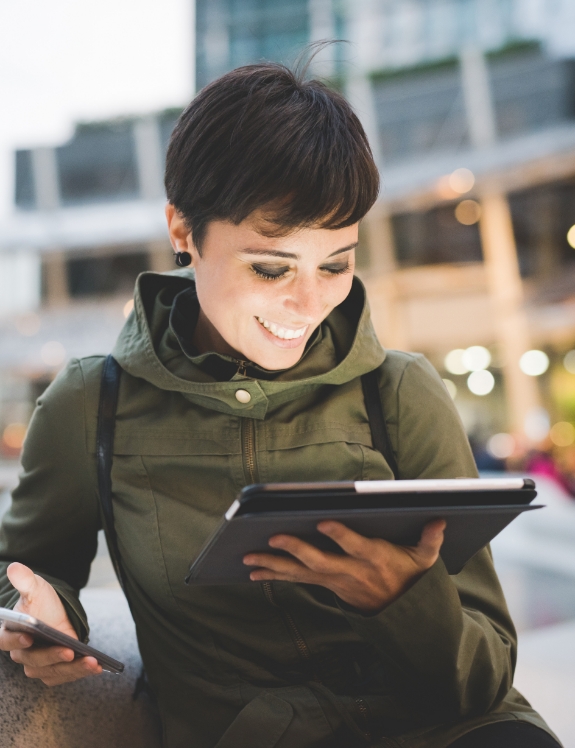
(180, 236)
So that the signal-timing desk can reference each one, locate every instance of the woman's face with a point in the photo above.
(261, 298)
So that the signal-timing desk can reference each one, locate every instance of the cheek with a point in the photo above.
(338, 290)
(227, 301)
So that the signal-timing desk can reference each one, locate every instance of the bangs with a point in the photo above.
(259, 139)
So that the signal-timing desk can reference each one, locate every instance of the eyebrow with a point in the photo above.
(290, 255)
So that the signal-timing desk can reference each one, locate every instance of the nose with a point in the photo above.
(305, 298)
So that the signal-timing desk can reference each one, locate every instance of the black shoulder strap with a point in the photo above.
(109, 388)
(376, 416)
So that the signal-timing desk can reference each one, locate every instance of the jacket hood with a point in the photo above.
(343, 348)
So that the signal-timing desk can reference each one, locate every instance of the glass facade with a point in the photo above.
(99, 163)
(230, 33)
(434, 237)
(421, 110)
(24, 197)
(108, 274)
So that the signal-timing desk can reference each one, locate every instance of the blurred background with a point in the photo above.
(468, 256)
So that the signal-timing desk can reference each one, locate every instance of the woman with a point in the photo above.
(247, 371)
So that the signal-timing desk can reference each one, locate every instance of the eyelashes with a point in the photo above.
(268, 273)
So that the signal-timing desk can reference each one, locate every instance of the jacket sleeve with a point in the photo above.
(448, 640)
(53, 522)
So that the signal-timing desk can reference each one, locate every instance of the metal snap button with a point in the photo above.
(243, 396)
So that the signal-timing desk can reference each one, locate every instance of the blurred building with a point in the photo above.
(89, 216)
(470, 109)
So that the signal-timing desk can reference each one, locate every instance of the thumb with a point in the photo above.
(431, 540)
(24, 580)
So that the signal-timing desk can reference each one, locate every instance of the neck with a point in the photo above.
(208, 340)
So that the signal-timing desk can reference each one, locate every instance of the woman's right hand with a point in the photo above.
(52, 665)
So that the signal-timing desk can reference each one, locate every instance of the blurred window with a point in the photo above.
(99, 163)
(105, 275)
(420, 111)
(434, 237)
(24, 197)
(542, 216)
(530, 90)
(167, 121)
(230, 33)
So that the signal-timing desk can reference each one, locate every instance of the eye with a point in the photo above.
(268, 272)
(336, 269)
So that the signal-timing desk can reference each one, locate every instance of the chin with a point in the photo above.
(278, 362)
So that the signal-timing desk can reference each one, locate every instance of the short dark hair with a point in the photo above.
(263, 137)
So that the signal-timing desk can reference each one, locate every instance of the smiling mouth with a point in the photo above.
(284, 333)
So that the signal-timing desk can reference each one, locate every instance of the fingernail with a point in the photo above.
(23, 640)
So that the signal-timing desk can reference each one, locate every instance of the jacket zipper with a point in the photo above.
(249, 452)
(242, 367)
(249, 449)
(298, 639)
(364, 715)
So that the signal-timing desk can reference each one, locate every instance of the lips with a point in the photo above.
(284, 333)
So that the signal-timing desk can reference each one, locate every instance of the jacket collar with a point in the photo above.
(344, 348)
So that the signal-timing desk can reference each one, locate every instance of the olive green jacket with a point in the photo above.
(262, 665)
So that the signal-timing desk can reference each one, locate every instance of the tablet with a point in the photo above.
(47, 636)
(475, 511)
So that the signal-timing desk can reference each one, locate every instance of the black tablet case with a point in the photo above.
(469, 528)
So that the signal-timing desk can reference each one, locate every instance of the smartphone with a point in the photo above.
(46, 636)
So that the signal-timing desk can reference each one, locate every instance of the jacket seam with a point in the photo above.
(412, 357)
(157, 528)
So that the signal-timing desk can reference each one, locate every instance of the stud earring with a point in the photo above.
(183, 259)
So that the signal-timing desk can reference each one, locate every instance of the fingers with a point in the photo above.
(24, 580)
(310, 556)
(64, 672)
(38, 657)
(277, 567)
(351, 542)
(14, 640)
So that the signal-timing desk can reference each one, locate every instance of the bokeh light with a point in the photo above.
(571, 237)
(569, 362)
(534, 363)
(480, 382)
(501, 446)
(536, 425)
(53, 353)
(13, 436)
(468, 212)
(27, 324)
(461, 180)
(562, 434)
(476, 358)
(128, 306)
(451, 387)
(453, 362)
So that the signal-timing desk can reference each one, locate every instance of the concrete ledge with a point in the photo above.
(96, 712)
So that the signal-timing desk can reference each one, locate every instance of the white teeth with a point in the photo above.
(281, 332)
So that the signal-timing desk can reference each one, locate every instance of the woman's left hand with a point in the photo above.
(371, 575)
